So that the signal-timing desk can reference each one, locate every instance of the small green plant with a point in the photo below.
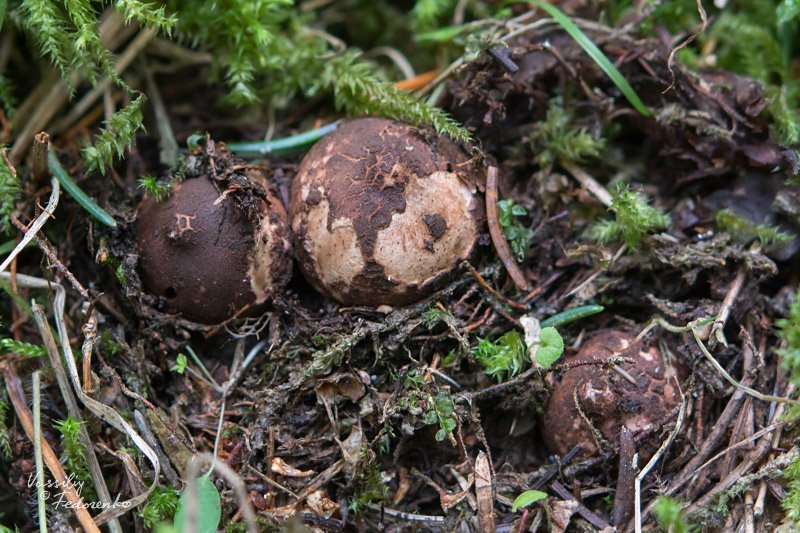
(670, 517)
(555, 139)
(161, 505)
(789, 331)
(518, 236)
(503, 358)
(115, 138)
(550, 346)
(791, 504)
(371, 489)
(9, 192)
(151, 186)
(413, 379)
(110, 348)
(635, 217)
(74, 456)
(527, 498)
(25, 349)
(180, 364)
(5, 440)
(745, 231)
(209, 507)
(441, 412)
(432, 316)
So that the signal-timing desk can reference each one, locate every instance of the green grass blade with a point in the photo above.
(2, 12)
(596, 54)
(281, 146)
(81, 197)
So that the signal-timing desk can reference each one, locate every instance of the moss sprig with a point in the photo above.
(634, 218)
(5, 440)
(789, 331)
(74, 456)
(51, 30)
(161, 505)
(265, 50)
(745, 231)
(25, 349)
(791, 504)
(147, 13)
(426, 13)
(359, 91)
(89, 50)
(556, 139)
(116, 137)
(9, 194)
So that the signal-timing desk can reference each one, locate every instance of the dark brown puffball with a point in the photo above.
(382, 213)
(206, 258)
(607, 399)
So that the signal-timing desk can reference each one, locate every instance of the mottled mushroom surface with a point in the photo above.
(607, 399)
(205, 257)
(383, 212)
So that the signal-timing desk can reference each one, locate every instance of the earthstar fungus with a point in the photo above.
(206, 257)
(606, 398)
(382, 212)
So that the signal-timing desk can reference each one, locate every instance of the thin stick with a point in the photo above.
(45, 246)
(725, 308)
(37, 450)
(489, 288)
(588, 183)
(499, 240)
(37, 225)
(748, 390)
(652, 462)
(41, 172)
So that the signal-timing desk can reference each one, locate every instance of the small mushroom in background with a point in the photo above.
(606, 397)
(206, 257)
(382, 213)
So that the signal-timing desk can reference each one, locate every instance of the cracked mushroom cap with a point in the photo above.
(205, 257)
(607, 399)
(382, 214)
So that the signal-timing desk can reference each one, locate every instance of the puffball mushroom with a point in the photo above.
(606, 397)
(382, 212)
(205, 257)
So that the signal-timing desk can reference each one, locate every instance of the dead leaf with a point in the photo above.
(320, 504)
(279, 466)
(561, 513)
(485, 493)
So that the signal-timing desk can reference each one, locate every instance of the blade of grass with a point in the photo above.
(281, 146)
(595, 54)
(571, 315)
(37, 450)
(81, 197)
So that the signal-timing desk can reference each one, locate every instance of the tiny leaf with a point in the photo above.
(547, 355)
(526, 498)
(550, 337)
(209, 508)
